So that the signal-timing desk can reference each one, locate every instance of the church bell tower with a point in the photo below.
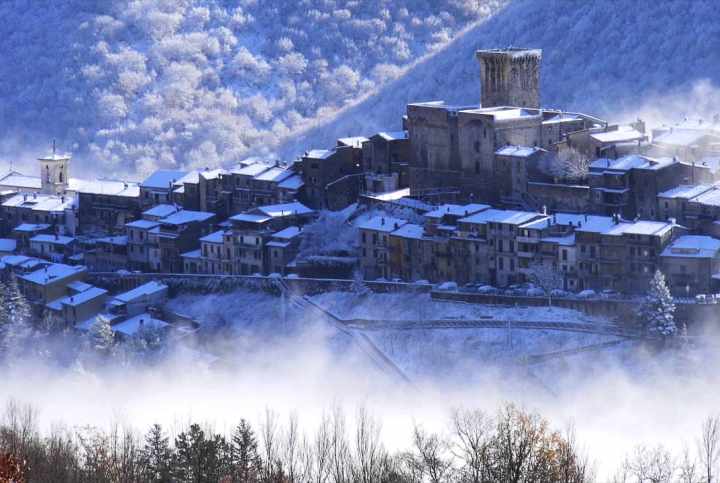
(54, 171)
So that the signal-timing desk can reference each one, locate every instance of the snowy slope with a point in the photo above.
(137, 84)
(605, 57)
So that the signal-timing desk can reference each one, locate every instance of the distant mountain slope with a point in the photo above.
(139, 84)
(605, 57)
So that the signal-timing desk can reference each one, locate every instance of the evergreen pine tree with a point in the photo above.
(658, 309)
(100, 336)
(200, 459)
(245, 459)
(157, 456)
(17, 329)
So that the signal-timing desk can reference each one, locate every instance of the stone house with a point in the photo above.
(691, 264)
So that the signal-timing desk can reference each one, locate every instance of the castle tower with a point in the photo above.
(54, 171)
(510, 77)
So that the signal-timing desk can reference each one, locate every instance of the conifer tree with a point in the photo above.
(157, 456)
(658, 310)
(100, 336)
(245, 459)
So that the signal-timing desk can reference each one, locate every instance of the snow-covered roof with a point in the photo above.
(562, 117)
(193, 177)
(410, 230)
(149, 288)
(105, 187)
(52, 239)
(55, 157)
(510, 217)
(618, 136)
(456, 210)
(250, 218)
(283, 209)
(503, 113)
(215, 237)
(31, 227)
(209, 174)
(382, 223)
(393, 135)
(642, 227)
(693, 246)
(681, 137)
(274, 175)
(133, 324)
(7, 245)
(518, 151)
(162, 179)
(294, 182)
(709, 198)
(142, 224)
(52, 273)
(319, 153)
(251, 170)
(354, 141)
(40, 202)
(78, 298)
(685, 191)
(14, 260)
(161, 211)
(633, 161)
(591, 222)
(186, 216)
(13, 179)
(288, 233)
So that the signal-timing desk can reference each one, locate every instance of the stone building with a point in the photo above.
(510, 77)
(375, 245)
(691, 263)
(630, 185)
(157, 188)
(332, 178)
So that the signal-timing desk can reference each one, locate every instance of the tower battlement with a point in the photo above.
(510, 77)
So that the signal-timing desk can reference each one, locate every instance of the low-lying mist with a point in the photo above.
(616, 398)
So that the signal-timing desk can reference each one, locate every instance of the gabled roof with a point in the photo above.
(685, 191)
(161, 211)
(385, 224)
(456, 210)
(133, 324)
(618, 136)
(52, 239)
(78, 298)
(511, 217)
(162, 179)
(393, 135)
(105, 187)
(150, 288)
(283, 209)
(693, 246)
(52, 273)
(294, 182)
(18, 180)
(253, 169)
(274, 174)
(186, 216)
(410, 230)
(319, 153)
(215, 237)
(142, 224)
(288, 233)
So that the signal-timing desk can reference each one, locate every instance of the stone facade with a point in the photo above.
(510, 77)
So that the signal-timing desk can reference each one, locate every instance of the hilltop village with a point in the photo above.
(488, 195)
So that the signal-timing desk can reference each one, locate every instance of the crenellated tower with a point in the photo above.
(510, 77)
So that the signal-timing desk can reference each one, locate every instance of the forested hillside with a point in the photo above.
(132, 85)
(613, 58)
(137, 84)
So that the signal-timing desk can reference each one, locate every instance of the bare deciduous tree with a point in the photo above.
(709, 447)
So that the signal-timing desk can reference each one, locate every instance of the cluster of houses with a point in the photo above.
(476, 243)
(503, 190)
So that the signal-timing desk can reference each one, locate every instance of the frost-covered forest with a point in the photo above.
(138, 84)
(132, 85)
